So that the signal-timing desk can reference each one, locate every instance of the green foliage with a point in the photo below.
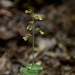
(25, 71)
(30, 69)
(35, 67)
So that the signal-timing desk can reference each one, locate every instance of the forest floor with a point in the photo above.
(55, 51)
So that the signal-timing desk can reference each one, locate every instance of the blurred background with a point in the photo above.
(55, 50)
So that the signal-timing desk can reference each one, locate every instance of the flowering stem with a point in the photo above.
(33, 40)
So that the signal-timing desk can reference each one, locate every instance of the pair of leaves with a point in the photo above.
(29, 70)
(41, 32)
(34, 68)
(25, 71)
(26, 37)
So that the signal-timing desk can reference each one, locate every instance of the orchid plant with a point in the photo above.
(32, 69)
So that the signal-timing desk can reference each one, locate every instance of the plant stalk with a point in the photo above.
(33, 40)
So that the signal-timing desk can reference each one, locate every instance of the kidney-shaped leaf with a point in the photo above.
(30, 73)
(23, 70)
(34, 68)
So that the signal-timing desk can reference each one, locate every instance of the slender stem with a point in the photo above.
(33, 40)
